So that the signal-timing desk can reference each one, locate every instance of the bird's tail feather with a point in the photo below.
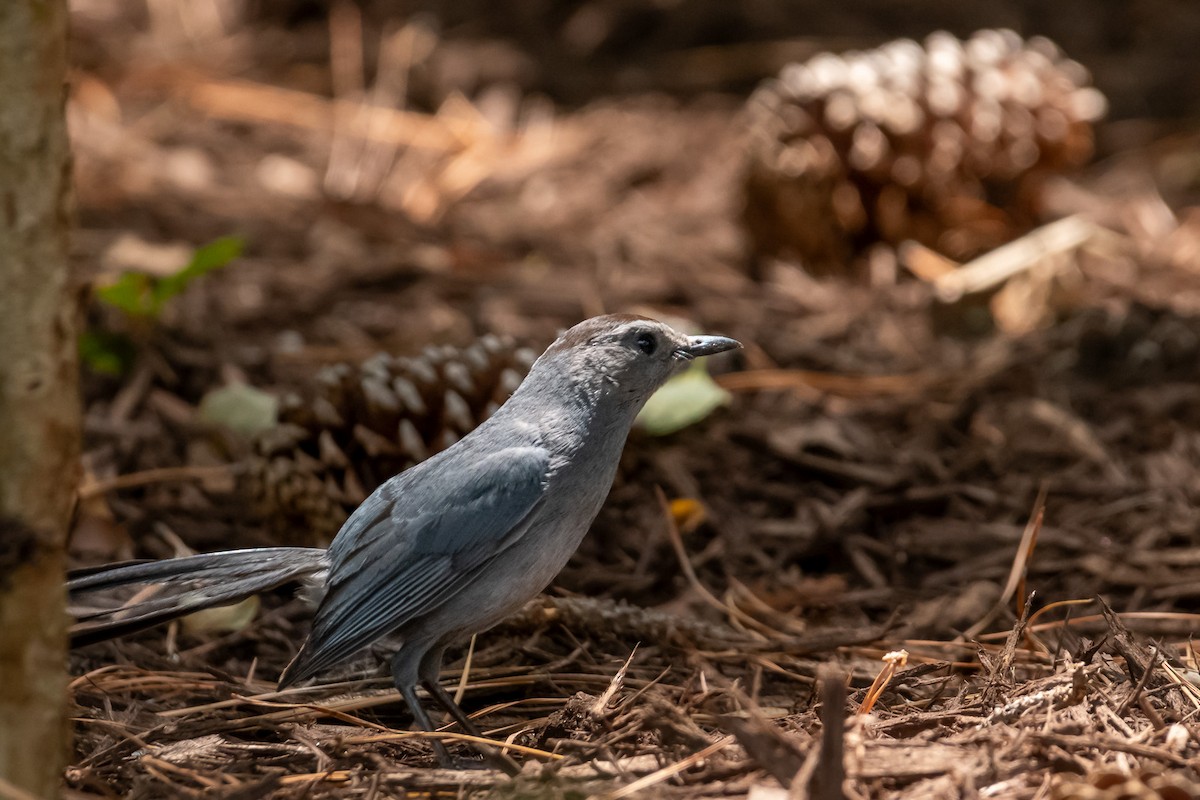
(116, 599)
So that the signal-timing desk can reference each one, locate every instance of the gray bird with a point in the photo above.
(450, 546)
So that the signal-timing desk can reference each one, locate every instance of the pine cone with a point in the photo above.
(1112, 785)
(935, 143)
(361, 425)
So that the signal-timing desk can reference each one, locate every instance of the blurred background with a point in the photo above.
(959, 239)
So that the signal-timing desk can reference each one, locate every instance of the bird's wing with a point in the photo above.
(412, 544)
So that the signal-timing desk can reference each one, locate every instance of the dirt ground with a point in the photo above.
(916, 555)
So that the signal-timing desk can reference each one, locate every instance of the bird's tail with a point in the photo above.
(116, 599)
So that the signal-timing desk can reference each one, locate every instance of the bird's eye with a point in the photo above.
(646, 342)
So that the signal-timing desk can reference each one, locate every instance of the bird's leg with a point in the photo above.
(446, 701)
(405, 672)
(409, 692)
(428, 669)
(405, 675)
(498, 758)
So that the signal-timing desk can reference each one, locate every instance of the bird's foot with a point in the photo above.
(463, 762)
(484, 758)
(491, 760)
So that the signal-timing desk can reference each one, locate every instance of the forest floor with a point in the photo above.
(924, 558)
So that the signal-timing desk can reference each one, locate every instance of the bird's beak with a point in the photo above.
(698, 346)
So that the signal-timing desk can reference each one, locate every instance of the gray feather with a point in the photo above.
(159, 591)
(415, 542)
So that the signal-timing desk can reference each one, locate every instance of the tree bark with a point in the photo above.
(39, 397)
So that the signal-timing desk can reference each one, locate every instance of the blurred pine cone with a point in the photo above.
(937, 143)
(1113, 785)
(362, 424)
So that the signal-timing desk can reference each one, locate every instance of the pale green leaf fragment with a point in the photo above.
(685, 400)
(241, 408)
(222, 619)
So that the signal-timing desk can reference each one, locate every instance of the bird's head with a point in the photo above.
(623, 358)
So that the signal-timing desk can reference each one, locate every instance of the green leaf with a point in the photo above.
(209, 258)
(106, 353)
(141, 295)
(130, 293)
(241, 408)
(684, 400)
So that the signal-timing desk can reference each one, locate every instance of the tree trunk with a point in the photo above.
(39, 396)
